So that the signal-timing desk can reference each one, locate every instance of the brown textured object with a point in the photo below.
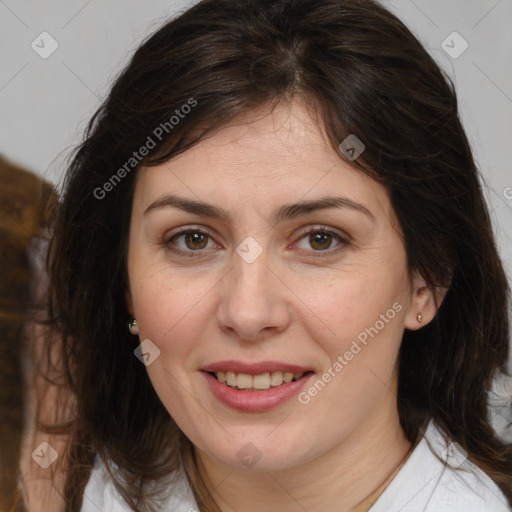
(26, 203)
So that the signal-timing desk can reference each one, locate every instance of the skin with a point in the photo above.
(288, 305)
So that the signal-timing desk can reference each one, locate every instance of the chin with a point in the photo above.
(258, 454)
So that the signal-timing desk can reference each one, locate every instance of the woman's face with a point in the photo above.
(259, 256)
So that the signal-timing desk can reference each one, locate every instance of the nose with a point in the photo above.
(254, 302)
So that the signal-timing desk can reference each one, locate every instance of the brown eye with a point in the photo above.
(195, 241)
(320, 241)
(188, 241)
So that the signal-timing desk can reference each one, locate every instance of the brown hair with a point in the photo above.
(361, 72)
(26, 202)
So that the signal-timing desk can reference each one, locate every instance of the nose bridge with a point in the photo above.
(253, 300)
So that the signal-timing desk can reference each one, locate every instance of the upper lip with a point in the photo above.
(254, 368)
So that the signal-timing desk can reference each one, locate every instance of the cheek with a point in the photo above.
(355, 304)
(360, 336)
(160, 296)
(173, 311)
(364, 319)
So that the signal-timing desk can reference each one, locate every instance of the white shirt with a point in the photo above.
(423, 484)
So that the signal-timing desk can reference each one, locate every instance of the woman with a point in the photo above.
(274, 276)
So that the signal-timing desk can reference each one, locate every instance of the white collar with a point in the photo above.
(423, 484)
(427, 484)
(100, 494)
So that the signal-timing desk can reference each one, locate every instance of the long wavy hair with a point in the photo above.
(360, 71)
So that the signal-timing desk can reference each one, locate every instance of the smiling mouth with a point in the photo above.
(261, 382)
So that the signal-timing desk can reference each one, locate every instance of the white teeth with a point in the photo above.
(231, 379)
(262, 381)
(244, 381)
(276, 379)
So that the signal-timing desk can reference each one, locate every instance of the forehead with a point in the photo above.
(263, 159)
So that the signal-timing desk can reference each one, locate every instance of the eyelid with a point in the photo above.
(185, 229)
(343, 239)
(181, 231)
(322, 228)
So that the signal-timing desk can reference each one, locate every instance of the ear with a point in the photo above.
(129, 302)
(423, 302)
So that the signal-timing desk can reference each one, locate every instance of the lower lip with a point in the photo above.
(255, 401)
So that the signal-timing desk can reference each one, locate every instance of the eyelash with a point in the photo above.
(319, 254)
(343, 242)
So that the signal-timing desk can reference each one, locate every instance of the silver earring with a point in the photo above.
(420, 318)
(133, 327)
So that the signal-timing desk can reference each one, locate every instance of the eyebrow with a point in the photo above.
(285, 212)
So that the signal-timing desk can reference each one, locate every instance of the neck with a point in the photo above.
(336, 481)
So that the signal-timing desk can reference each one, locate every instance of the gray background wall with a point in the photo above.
(46, 102)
